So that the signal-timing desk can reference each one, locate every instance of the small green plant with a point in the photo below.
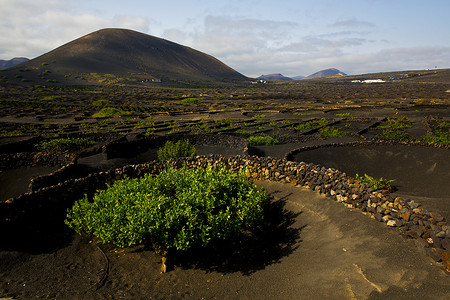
(177, 209)
(329, 132)
(395, 128)
(262, 140)
(195, 101)
(438, 136)
(109, 112)
(150, 131)
(51, 98)
(377, 184)
(200, 126)
(259, 116)
(397, 123)
(101, 102)
(174, 131)
(344, 115)
(65, 145)
(395, 134)
(179, 149)
(243, 131)
(312, 124)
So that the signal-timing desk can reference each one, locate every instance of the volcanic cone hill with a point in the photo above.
(326, 73)
(121, 52)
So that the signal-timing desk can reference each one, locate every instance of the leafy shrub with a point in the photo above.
(259, 116)
(438, 136)
(329, 132)
(101, 102)
(377, 184)
(109, 112)
(51, 98)
(348, 114)
(397, 123)
(262, 140)
(190, 101)
(65, 145)
(395, 133)
(178, 149)
(177, 209)
(312, 124)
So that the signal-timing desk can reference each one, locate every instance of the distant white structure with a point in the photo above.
(259, 81)
(369, 81)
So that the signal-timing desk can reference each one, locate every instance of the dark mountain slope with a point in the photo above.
(121, 51)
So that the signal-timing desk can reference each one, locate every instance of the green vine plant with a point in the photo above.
(377, 184)
(177, 209)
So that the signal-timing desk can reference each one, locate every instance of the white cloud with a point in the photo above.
(352, 23)
(250, 45)
(31, 28)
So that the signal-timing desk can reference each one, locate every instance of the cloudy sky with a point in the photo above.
(292, 37)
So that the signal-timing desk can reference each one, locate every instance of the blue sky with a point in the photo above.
(253, 37)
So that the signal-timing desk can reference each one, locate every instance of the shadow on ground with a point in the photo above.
(248, 252)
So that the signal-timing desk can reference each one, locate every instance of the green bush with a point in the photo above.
(312, 124)
(395, 133)
(177, 209)
(439, 136)
(51, 98)
(65, 145)
(190, 101)
(344, 115)
(397, 123)
(178, 149)
(101, 102)
(109, 112)
(262, 140)
(328, 132)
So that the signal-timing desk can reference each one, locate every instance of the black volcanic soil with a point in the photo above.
(417, 170)
(318, 249)
(15, 182)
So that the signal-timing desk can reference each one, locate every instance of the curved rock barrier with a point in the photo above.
(33, 159)
(124, 148)
(429, 230)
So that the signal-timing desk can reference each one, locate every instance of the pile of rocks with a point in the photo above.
(430, 231)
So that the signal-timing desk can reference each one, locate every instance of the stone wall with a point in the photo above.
(124, 148)
(33, 159)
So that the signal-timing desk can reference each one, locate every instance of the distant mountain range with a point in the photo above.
(5, 64)
(322, 73)
(126, 54)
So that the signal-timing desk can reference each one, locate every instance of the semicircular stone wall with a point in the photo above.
(429, 230)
